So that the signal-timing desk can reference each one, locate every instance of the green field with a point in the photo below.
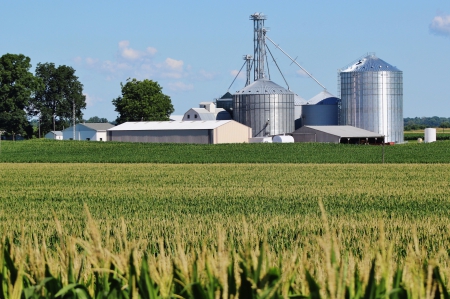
(177, 222)
(281, 199)
(53, 151)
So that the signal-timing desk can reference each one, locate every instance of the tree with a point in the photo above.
(54, 103)
(444, 124)
(17, 87)
(96, 119)
(142, 101)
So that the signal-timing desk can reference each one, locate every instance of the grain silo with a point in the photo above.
(321, 110)
(266, 107)
(298, 104)
(263, 105)
(372, 97)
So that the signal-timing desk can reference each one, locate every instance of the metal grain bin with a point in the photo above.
(266, 107)
(372, 97)
(298, 103)
(321, 110)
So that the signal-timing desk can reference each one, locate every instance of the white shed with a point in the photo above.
(56, 135)
(88, 131)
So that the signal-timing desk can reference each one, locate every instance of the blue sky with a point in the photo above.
(194, 48)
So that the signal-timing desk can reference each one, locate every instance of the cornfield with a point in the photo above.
(224, 230)
(56, 151)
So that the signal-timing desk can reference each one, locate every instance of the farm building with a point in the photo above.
(206, 111)
(203, 132)
(87, 131)
(336, 134)
(57, 135)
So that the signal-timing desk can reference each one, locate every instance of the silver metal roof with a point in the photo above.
(170, 125)
(264, 86)
(299, 101)
(203, 113)
(92, 126)
(56, 133)
(98, 126)
(345, 131)
(175, 117)
(370, 63)
(320, 97)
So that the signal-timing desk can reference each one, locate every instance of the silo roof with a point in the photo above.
(264, 86)
(370, 63)
(323, 98)
(227, 95)
(298, 100)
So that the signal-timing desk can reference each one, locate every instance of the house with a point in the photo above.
(87, 131)
(202, 132)
(56, 135)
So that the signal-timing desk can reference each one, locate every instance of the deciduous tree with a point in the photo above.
(54, 103)
(17, 88)
(142, 101)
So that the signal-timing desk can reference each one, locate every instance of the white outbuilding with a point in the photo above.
(202, 132)
(87, 131)
(56, 135)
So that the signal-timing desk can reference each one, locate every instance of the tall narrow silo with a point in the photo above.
(372, 97)
(266, 107)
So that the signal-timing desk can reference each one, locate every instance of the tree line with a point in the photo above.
(419, 123)
(52, 99)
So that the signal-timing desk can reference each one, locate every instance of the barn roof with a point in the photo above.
(170, 125)
(344, 131)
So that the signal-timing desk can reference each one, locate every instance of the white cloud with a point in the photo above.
(241, 75)
(143, 64)
(151, 50)
(302, 73)
(176, 65)
(441, 25)
(180, 86)
(91, 100)
(91, 61)
(207, 75)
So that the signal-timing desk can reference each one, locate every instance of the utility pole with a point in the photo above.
(1, 132)
(73, 120)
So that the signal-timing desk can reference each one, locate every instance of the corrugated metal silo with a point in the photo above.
(266, 107)
(372, 97)
(298, 103)
(321, 110)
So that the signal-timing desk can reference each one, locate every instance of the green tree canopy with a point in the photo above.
(142, 101)
(17, 87)
(54, 103)
(96, 119)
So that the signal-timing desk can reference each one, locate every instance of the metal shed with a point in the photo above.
(202, 132)
(87, 131)
(336, 134)
(56, 135)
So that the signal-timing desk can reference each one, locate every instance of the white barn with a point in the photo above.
(88, 131)
(56, 135)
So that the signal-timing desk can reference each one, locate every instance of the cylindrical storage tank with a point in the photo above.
(298, 104)
(266, 107)
(283, 139)
(372, 97)
(225, 102)
(430, 135)
(321, 110)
